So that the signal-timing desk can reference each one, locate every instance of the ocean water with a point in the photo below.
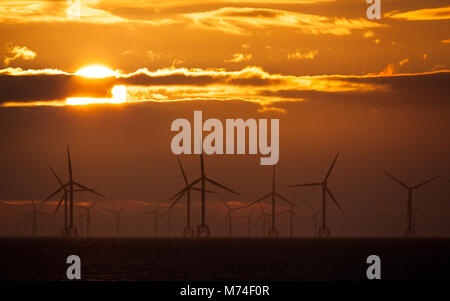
(224, 259)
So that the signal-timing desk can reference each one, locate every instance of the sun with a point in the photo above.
(96, 71)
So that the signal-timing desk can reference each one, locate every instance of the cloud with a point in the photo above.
(390, 69)
(241, 20)
(89, 11)
(303, 55)
(239, 57)
(251, 84)
(16, 52)
(425, 14)
(445, 41)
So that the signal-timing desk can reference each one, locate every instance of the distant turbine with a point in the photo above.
(157, 215)
(273, 231)
(414, 212)
(314, 218)
(68, 188)
(228, 216)
(187, 231)
(202, 229)
(324, 231)
(64, 195)
(118, 218)
(80, 221)
(410, 231)
(33, 215)
(168, 215)
(264, 218)
(249, 221)
(88, 216)
(292, 214)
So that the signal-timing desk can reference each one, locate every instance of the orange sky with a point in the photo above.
(377, 90)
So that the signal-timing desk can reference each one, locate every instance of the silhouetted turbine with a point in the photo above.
(314, 217)
(202, 229)
(68, 188)
(88, 216)
(33, 216)
(249, 221)
(324, 231)
(63, 198)
(410, 231)
(118, 218)
(157, 215)
(187, 231)
(292, 214)
(273, 231)
(228, 216)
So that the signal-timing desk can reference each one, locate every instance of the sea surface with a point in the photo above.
(225, 259)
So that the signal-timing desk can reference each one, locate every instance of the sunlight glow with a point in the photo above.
(96, 71)
(119, 95)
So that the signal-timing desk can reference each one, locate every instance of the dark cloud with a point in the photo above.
(46, 87)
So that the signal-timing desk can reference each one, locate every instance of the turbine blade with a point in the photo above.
(262, 208)
(126, 205)
(54, 193)
(182, 171)
(258, 200)
(225, 203)
(43, 213)
(304, 185)
(337, 204)
(92, 206)
(426, 182)
(282, 212)
(417, 208)
(185, 189)
(28, 216)
(332, 165)
(397, 180)
(173, 204)
(69, 162)
(298, 217)
(88, 189)
(309, 205)
(59, 203)
(221, 186)
(206, 190)
(285, 199)
(56, 176)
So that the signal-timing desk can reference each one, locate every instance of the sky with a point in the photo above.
(377, 90)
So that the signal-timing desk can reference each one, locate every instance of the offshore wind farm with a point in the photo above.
(224, 139)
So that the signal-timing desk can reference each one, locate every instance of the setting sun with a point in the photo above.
(96, 71)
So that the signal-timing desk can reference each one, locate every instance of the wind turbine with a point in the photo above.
(228, 216)
(64, 231)
(80, 221)
(88, 216)
(187, 231)
(69, 189)
(414, 212)
(118, 218)
(249, 221)
(273, 232)
(33, 215)
(203, 228)
(157, 215)
(265, 217)
(314, 217)
(410, 231)
(292, 214)
(168, 215)
(324, 231)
